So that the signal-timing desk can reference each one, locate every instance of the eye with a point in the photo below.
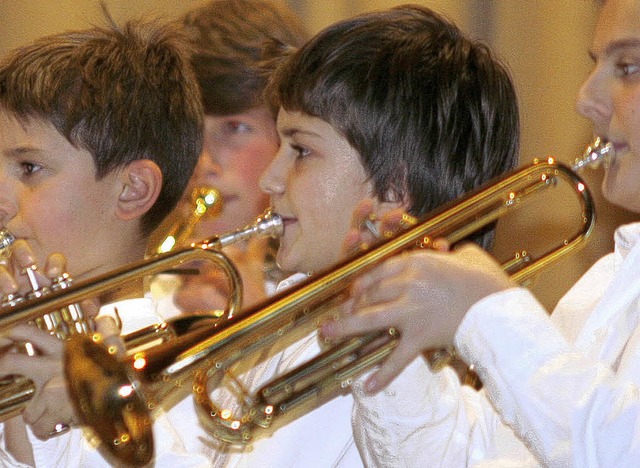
(627, 68)
(29, 168)
(300, 150)
(238, 127)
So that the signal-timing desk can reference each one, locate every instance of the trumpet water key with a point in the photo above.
(118, 399)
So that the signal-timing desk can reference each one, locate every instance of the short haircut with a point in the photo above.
(121, 92)
(228, 37)
(432, 113)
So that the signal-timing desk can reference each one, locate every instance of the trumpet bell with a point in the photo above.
(120, 415)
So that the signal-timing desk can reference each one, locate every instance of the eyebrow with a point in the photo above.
(291, 131)
(21, 151)
(616, 46)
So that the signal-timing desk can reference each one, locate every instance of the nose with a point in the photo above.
(594, 100)
(207, 168)
(272, 180)
(8, 205)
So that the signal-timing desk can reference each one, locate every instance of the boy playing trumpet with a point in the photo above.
(100, 130)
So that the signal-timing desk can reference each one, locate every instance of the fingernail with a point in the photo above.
(371, 385)
(327, 329)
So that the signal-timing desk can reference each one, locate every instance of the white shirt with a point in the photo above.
(350, 430)
(178, 438)
(567, 384)
(320, 438)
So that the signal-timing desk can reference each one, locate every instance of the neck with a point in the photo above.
(120, 261)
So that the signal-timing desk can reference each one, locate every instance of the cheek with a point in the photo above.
(626, 106)
(339, 199)
(256, 158)
(54, 226)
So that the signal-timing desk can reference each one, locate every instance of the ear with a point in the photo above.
(141, 184)
(393, 203)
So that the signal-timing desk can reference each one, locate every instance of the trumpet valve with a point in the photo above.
(37, 290)
(11, 300)
(69, 320)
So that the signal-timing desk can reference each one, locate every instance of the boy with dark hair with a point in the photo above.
(100, 132)
(567, 384)
(398, 107)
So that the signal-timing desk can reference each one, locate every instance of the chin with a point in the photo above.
(284, 262)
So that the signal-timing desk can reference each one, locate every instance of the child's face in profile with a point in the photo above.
(610, 97)
(237, 149)
(315, 181)
(49, 195)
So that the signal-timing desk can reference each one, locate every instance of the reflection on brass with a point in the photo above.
(204, 203)
(56, 308)
(199, 360)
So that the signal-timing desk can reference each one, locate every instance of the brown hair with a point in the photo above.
(432, 113)
(229, 37)
(121, 92)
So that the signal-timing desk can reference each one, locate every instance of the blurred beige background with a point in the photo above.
(543, 42)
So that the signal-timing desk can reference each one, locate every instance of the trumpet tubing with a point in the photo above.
(205, 203)
(117, 400)
(56, 309)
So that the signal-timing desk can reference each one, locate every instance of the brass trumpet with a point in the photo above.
(16, 390)
(116, 397)
(65, 318)
(205, 203)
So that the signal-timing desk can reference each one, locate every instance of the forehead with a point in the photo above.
(15, 129)
(290, 123)
(618, 24)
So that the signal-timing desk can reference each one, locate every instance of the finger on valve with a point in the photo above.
(109, 326)
(363, 230)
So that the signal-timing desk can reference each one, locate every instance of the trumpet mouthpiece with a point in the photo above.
(599, 152)
(6, 239)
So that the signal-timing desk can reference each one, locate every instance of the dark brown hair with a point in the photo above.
(229, 37)
(432, 113)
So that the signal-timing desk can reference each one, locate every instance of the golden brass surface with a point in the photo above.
(204, 203)
(198, 360)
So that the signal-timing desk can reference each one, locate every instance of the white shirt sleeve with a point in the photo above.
(423, 419)
(569, 409)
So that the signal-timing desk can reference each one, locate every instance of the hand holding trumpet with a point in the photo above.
(49, 412)
(417, 293)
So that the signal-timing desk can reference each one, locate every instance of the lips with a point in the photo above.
(287, 221)
(620, 148)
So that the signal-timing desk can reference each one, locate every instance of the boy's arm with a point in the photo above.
(423, 419)
(568, 408)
